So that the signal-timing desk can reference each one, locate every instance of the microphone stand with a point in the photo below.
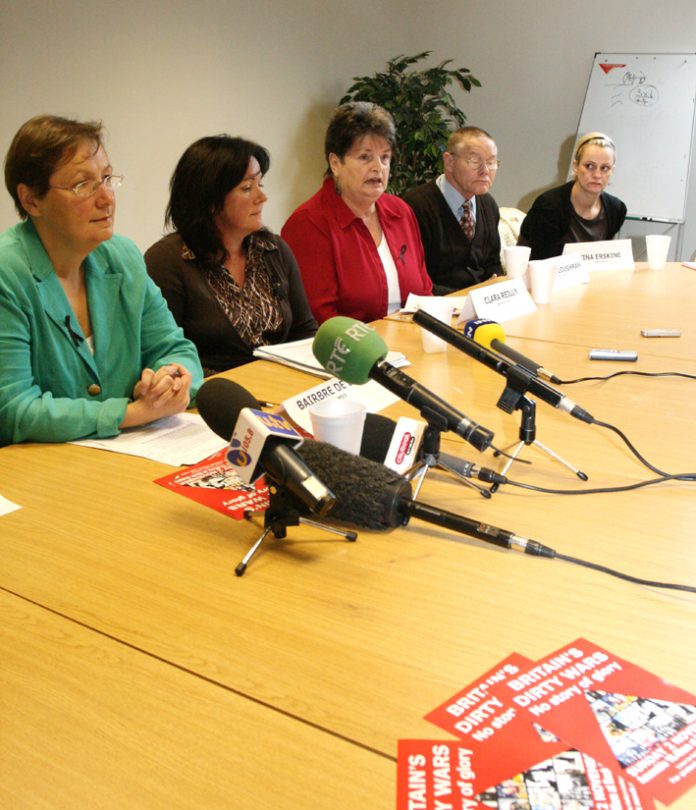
(282, 512)
(513, 399)
(430, 457)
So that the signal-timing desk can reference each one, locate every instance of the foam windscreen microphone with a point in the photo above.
(491, 335)
(370, 496)
(222, 403)
(355, 353)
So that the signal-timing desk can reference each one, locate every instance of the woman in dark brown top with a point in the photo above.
(231, 284)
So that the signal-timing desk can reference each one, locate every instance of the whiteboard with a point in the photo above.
(645, 103)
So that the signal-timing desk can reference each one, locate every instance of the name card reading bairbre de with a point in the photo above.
(612, 254)
(502, 301)
(374, 396)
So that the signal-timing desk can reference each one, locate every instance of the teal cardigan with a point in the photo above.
(52, 388)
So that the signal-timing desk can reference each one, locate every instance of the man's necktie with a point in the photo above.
(467, 221)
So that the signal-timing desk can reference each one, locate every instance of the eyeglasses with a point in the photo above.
(477, 164)
(86, 188)
(592, 167)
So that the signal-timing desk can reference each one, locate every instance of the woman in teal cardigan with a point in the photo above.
(88, 346)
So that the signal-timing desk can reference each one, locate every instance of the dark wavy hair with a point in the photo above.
(207, 171)
(351, 121)
(40, 146)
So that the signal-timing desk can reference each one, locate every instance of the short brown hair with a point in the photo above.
(354, 120)
(41, 145)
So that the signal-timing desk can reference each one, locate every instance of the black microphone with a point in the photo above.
(220, 402)
(491, 335)
(377, 439)
(354, 352)
(531, 383)
(371, 496)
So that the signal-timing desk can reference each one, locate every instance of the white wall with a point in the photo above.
(161, 74)
(534, 60)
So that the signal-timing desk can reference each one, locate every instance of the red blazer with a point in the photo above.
(338, 259)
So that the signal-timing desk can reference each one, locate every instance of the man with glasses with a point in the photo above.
(458, 218)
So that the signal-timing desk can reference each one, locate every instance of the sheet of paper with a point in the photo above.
(7, 506)
(176, 440)
(298, 354)
(413, 302)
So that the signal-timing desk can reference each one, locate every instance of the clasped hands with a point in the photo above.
(157, 394)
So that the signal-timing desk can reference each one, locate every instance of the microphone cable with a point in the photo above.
(628, 371)
(627, 577)
(689, 477)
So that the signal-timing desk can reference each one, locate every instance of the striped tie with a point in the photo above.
(467, 221)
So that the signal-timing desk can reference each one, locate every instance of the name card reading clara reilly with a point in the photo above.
(502, 301)
(612, 254)
(571, 271)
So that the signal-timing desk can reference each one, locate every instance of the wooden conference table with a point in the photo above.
(136, 670)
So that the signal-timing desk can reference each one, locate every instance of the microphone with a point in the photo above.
(491, 335)
(371, 496)
(355, 353)
(377, 444)
(228, 409)
(504, 367)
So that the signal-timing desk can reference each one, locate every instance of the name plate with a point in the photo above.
(611, 254)
(501, 301)
(374, 396)
(571, 271)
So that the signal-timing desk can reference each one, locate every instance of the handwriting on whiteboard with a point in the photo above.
(635, 88)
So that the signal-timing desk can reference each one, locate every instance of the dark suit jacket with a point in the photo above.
(545, 228)
(452, 260)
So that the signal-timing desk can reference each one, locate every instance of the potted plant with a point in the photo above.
(423, 109)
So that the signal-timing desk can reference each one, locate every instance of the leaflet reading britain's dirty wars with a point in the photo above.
(623, 716)
(505, 760)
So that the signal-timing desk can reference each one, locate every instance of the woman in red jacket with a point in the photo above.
(358, 248)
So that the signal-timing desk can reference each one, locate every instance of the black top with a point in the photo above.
(452, 260)
(196, 308)
(546, 228)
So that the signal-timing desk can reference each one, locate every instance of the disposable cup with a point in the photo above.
(440, 308)
(658, 247)
(541, 275)
(516, 260)
(339, 422)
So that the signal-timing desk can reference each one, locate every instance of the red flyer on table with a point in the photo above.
(621, 715)
(439, 775)
(214, 483)
(499, 734)
(512, 762)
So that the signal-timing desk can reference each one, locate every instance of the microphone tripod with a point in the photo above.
(513, 399)
(430, 457)
(284, 510)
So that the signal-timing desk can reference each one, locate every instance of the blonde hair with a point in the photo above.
(596, 139)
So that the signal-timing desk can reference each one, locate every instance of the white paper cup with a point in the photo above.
(516, 260)
(541, 275)
(658, 247)
(440, 308)
(339, 422)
